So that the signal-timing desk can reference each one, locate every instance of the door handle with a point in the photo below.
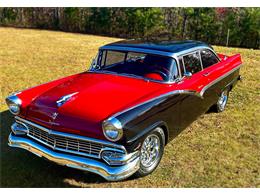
(206, 74)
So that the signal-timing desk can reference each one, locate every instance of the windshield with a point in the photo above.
(150, 66)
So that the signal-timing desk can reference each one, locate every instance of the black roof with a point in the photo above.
(166, 46)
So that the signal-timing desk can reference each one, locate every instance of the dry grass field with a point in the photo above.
(218, 150)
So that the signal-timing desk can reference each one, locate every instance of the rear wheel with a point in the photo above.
(222, 101)
(151, 152)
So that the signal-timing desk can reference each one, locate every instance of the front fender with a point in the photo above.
(142, 119)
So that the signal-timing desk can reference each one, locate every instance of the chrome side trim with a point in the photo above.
(171, 93)
(218, 79)
(72, 135)
(190, 92)
(110, 173)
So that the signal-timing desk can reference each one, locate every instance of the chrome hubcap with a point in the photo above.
(150, 150)
(222, 101)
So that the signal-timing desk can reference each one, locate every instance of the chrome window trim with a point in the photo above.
(213, 54)
(73, 136)
(181, 58)
(170, 81)
(184, 52)
(183, 64)
(178, 64)
(193, 52)
(136, 49)
(188, 51)
(202, 68)
(156, 52)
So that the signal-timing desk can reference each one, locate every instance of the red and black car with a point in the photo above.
(116, 118)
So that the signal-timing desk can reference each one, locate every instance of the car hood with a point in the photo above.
(96, 96)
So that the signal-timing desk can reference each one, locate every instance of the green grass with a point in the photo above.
(218, 150)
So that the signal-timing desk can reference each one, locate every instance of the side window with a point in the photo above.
(114, 57)
(208, 58)
(192, 62)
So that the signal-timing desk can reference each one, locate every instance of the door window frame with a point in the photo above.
(180, 57)
(218, 60)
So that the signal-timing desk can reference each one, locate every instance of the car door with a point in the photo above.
(192, 105)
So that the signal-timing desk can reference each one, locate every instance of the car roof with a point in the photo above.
(164, 46)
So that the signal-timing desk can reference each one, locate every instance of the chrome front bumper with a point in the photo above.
(110, 173)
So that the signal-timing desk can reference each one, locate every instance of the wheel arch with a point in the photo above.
(163, 125)
(166, 132)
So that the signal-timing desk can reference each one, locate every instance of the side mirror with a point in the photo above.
(187, 74)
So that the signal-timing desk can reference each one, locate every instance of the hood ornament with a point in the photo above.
(64, 99)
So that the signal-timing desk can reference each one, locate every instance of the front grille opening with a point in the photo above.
(64, 143)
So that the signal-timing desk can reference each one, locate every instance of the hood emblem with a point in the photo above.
(64, 99)
(54, 115)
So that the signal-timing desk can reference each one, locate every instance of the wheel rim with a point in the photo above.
(222, 101)
(150, 151)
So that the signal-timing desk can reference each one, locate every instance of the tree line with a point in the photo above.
(238, 27)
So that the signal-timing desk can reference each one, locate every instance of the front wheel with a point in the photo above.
(151, 152)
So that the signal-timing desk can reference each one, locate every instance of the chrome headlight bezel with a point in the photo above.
(14, 104)
(112, 129)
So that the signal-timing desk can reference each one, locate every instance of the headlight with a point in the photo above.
(14, 104)
(112, 129)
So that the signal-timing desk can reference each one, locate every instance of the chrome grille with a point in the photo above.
(64, 143)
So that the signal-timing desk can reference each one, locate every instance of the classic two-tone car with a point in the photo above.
(116, 118)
